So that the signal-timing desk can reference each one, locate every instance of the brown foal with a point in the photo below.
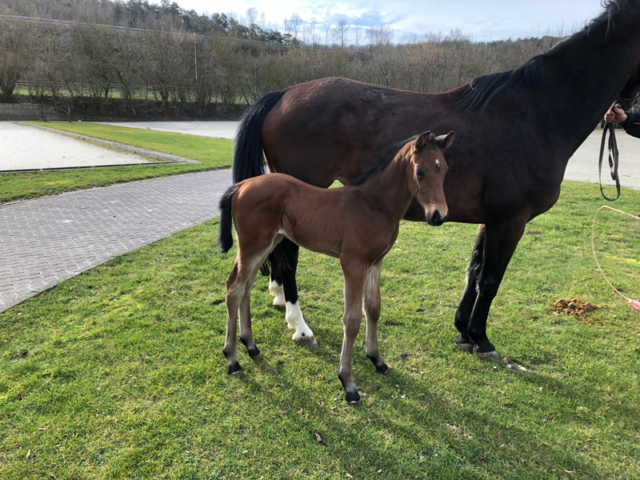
(357, 224)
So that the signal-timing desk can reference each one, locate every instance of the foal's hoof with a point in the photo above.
(236, 370)
(254, 353)
(352, 396)
(383, 369)
(464, 345)
(305, 341)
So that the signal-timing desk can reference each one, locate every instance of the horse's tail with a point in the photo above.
(225, 238)
(248, 160)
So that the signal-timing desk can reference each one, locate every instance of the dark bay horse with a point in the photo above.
(357, 224)
(519, 129)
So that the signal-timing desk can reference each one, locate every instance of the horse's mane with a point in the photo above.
(382, 160)
(483, 89)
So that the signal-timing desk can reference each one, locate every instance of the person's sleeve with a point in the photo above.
(632, 124)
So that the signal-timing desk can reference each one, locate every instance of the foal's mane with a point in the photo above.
(482, 89)
(383, 159)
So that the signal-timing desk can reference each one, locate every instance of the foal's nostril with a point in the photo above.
(436, 219)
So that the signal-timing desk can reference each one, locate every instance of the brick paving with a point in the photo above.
(50, 239)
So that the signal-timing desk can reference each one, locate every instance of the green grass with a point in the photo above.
(124, 375)
(212, 153)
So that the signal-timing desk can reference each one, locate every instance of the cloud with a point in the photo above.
(481, 19)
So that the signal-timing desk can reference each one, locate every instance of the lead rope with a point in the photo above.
(613, 158)
(635, 304)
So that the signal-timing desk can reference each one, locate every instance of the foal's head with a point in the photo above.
(429, 170)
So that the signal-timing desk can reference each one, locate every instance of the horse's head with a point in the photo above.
(429, 170)
(630, 91)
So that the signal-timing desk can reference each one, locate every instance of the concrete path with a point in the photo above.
(202, 129)
(28, 148)
(583, 166)
(47, 240)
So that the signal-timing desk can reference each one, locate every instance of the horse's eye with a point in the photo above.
(419, 174)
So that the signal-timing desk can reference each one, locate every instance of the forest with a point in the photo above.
(135, 54)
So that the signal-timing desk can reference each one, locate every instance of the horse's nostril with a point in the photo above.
(435, 218)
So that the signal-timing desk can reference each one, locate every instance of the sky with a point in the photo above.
(482, 20)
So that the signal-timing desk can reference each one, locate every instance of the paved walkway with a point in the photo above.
(47, 240)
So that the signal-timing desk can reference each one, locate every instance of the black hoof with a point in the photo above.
(235, 369)
(352, 396)
(254, 353)
(307, 342)
(381, 367)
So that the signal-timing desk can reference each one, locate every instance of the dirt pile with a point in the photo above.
(574, 307)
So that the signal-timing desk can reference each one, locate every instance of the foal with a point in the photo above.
(357, 224)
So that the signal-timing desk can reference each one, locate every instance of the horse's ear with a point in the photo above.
(445, 141)
(422, 140)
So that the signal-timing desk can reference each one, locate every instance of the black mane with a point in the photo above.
(383, 159)
(482, 89)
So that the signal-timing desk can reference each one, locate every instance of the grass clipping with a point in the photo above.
(575, 307)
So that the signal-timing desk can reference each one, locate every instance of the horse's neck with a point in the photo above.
(391, 187)
(585, 76)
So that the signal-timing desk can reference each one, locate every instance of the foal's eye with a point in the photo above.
(419, 174)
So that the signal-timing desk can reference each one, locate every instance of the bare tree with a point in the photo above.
(292, 25)
(342, 29)
(15, 55)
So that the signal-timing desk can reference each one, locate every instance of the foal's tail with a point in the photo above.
(248, 160)
(225, 238)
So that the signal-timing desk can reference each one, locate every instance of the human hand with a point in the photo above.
(615, 114)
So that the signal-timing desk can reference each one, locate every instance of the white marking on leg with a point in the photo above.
(295, 320)
(278, 292)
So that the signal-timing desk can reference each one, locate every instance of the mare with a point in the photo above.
(519, 127)
(357, 224)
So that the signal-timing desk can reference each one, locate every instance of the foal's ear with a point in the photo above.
(423, 139)
(445, 141)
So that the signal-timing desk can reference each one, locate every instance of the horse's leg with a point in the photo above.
(500, 243)
(463, 314)
(246, 333)
(372, 304)
(355, 273)
(303, 334)
(275, 285)
(235, 292)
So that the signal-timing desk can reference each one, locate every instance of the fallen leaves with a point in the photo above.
(575, 307)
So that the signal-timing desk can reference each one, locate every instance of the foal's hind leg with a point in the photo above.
(239, 283)
(246, 333)
(235, 292)
(463, 314)
(372, 305)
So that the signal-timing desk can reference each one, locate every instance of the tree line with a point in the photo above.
(136, 50)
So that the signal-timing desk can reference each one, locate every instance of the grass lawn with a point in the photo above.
(213, 153)
(119, 372)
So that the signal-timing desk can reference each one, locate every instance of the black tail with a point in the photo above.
(248, 160)
(225, 238)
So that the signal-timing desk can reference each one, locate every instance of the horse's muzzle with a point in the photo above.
(436, 219)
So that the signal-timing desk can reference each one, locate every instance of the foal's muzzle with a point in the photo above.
(436, 219)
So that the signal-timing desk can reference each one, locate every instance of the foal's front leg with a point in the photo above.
(355, 273)
(372, 305)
